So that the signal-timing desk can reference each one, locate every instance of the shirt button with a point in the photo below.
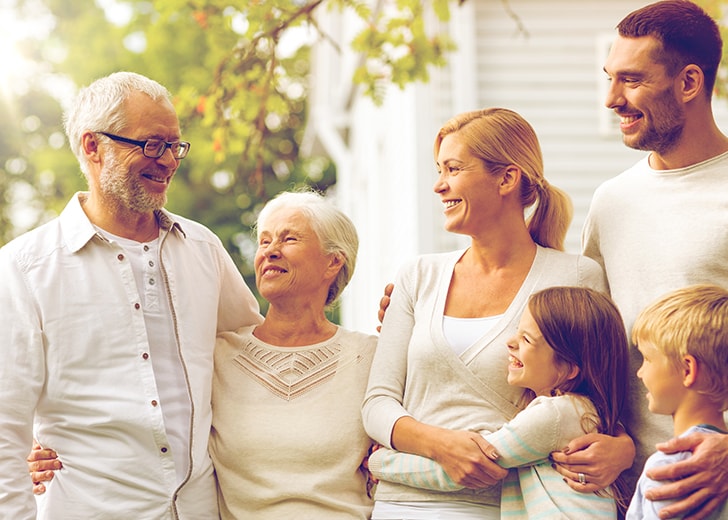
(154, 402)
(151, 281)
(163, 450)
(151, 264)
(145, 356)
(120, 257)
(137, 306)
(146, 247)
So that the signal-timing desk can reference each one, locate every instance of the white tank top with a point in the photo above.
(461, 333)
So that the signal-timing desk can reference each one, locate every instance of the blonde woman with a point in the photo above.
(440, 355)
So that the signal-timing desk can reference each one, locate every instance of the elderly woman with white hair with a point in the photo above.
(287, 437)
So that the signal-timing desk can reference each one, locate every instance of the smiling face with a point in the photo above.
(661, 378)
(126, 177)
(467, 190)
(289, 261)
(533, 363)
(644, 96)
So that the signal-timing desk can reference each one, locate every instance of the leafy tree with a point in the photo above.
(241, 99)
(37, 171)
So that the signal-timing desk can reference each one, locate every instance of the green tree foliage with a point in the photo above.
(37, 170)
(241, 98)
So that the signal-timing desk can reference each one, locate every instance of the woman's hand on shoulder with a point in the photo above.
(384, 303)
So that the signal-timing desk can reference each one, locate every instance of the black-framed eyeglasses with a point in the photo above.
(154, 148)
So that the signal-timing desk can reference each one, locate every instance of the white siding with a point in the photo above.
(549, 69)
(546, 63)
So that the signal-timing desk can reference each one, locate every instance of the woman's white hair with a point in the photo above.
(334, 229)
(99, 107)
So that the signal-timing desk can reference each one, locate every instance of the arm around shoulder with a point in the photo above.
(22, 376)
(238, 306)
(591, 275)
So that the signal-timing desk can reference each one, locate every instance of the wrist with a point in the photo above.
(412, 436)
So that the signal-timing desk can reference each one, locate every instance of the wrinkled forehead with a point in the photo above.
(151, 117)
(283, 219)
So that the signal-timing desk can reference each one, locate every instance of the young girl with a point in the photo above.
(571, 354)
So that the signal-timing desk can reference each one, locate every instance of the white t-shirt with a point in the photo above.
(166, 364)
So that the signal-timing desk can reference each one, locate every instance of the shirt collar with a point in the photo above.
(78, 229)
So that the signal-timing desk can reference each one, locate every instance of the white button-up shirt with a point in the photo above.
(75, 358)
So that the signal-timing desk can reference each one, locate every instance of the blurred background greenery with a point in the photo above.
(239, 77)
(239, 74)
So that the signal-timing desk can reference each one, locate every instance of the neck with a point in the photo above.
(294, 327)
(516, 252)
(697, 411)
(141, 227)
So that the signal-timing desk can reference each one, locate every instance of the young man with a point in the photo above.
(661, 225)
(110, 314)
(683, 338)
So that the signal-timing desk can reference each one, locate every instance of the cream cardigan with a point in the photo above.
(416, 373)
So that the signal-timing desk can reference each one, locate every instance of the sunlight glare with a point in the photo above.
(13, 62)
(17, 70)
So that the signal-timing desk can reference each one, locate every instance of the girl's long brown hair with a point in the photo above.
(585, 329)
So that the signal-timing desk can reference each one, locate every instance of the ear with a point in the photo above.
(336, 262)
(510, 179)
(90, 147)
(573, 372)
(691, 82)
(689, 370)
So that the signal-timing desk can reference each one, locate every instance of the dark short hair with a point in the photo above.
(687, 33)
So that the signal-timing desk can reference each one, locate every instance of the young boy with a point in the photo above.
(683, 338)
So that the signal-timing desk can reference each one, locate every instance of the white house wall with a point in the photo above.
(541, 58)
(549, 69)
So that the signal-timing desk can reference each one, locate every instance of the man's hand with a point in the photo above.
(42, 464)
(384, 303)
(599, 458)
(700, 482)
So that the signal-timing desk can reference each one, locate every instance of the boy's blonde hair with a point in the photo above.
(692, 321)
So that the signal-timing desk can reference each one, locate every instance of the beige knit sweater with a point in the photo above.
(287, 437)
